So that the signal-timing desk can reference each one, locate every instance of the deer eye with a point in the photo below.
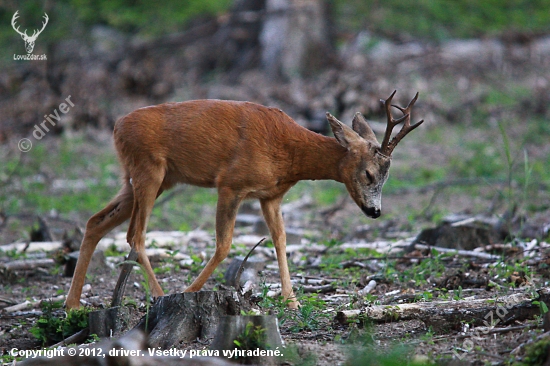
(369, 176)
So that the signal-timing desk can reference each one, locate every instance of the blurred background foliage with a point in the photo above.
(444, 19)
(74, 17)
(432, 20)
(473, 145)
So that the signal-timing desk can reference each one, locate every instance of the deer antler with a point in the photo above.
(35, 33)
(387, 145)
(13, 19)
(24, 34)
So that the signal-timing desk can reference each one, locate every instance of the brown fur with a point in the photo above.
(243, 149)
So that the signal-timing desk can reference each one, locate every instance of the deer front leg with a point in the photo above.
(271, 208)
(226, 212)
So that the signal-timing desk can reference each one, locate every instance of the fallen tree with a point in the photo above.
(452, 314)
(184, 317)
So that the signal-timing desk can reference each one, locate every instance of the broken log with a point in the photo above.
(452, 314)
(12, 271)
(27, 264)
(184, 317)
(31, 304)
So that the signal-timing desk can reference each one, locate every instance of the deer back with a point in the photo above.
(211, 142)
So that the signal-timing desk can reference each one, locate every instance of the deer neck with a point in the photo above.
(317, 158)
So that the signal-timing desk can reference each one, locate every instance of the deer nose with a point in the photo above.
(372, 212)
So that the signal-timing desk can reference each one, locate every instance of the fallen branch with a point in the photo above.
(35, 246)
(78, 337)
(26, 264)
(31, 304)
(18, 307)
(318, 289)
(477, 312)
(7, 300)
(460, 252)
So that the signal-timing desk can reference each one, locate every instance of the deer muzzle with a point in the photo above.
(372, 212)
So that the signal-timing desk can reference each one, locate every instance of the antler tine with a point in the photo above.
(13, 19)
(390, 124)
(387, 145)
(45, 22)
(36, 31)
(408, 108)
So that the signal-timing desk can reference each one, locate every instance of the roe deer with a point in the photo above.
(245, 150)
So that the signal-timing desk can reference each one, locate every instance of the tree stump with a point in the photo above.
(184, 317)
(258, 339)
(109, 322)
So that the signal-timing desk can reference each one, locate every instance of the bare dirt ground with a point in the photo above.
(417, 277)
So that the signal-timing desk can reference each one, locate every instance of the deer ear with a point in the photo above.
(344, 135)
(360, 125)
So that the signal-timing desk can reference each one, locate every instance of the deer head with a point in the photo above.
(29, 40)
(365, 167)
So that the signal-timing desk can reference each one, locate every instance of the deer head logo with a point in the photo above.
(29, 40)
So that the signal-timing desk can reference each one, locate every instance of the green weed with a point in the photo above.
(364, 350)
(169, 265)
(112, 251)
(536, 353)
(53, 327)
(296, 356)
(13, 254)
(276, 305)
(251, 338)
(420, 272)
(309, 314)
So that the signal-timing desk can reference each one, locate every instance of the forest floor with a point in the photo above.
(332, 250)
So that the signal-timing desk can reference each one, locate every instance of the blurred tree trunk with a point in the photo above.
(237, 40)
(295, 37)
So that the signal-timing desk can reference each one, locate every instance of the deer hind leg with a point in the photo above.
(271, 209)
(226, 212)
(147, 187)
(114, 214)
